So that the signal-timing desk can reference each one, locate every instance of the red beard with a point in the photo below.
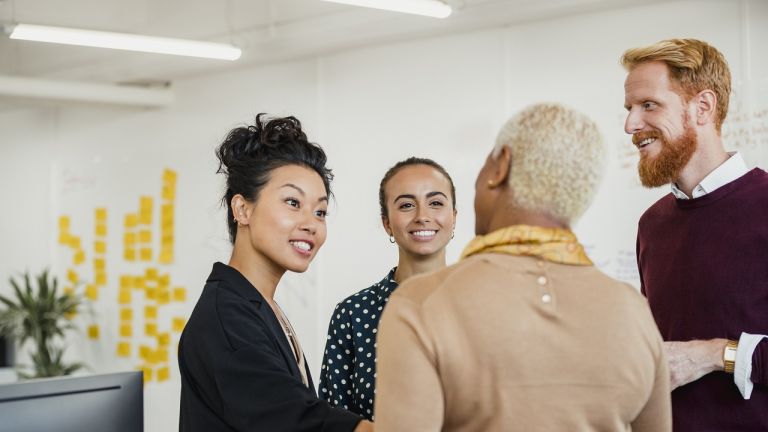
(665, 168)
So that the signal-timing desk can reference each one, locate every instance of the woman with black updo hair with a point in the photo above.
(241, 363)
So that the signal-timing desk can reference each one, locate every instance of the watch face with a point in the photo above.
(729, 354)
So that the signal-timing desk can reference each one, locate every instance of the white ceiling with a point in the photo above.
(267, 30)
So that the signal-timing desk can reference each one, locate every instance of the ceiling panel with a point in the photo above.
(267, 30)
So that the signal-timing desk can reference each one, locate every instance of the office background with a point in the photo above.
(377, 89)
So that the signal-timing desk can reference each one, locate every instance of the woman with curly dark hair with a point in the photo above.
(241, 363)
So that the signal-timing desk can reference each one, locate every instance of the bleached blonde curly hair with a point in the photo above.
(557, 160)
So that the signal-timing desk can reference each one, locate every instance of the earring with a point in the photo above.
(490, 183)
(392, 239)
(453, 234)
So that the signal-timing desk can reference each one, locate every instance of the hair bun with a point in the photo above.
(281, 130)
(258, 141)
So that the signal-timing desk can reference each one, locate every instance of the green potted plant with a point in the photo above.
(40, 316)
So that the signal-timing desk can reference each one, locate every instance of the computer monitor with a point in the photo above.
(110, 402)
(6, 352)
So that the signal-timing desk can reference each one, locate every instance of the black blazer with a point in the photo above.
(238, 372)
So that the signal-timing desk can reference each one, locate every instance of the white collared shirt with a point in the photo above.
(733, 168)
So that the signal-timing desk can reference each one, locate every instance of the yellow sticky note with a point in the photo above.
(139, 282)
(169, 193)
(147, 374)
(150, 329)
(150, 312)
(165, 257)
(179, 294)
(101, 278)
(100, 247)
(169, 176)
(92, 292)
(146, 254)
(161, 355)
(72, 276)
(162, 374)
(126, 314)
(129, 239)
(166, 213)
(145, 203)
(70, 315)
(166, 239)
(164, 281)
(124, 297)
(126, 282)
(69, 290)
(64, 223)
(145, 352)
(93, 331)
(150, 273)
(101, 230)
(178, 324)
(164, 339)
(129, 254)
(64, 238)
(163, 296)
(79, 257)
(124, 349)
(131, 220)
(151, 293)
(101, 214)
(99, 264)
(74, 242)
(126, 330)
(145, 236)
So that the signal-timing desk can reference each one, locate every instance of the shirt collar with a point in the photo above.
(388, 284)
(733, 168)
(235, 281)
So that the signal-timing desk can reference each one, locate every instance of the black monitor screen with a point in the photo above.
(112, 402)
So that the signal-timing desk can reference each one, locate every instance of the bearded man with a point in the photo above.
(702, 250)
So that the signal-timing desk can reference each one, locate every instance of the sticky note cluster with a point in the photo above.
(147, 330)
(99, 255)
(166, 217)
(137, 238)
(74, 244)
(155, 288)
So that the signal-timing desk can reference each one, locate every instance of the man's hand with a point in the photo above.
(689, 361)
(364, 426)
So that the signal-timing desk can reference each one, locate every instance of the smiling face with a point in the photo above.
(285, 226)
(659, 121)
(420, 213)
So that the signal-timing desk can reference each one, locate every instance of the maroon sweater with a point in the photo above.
(704, 269)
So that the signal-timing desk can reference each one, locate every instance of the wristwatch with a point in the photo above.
(729, 355)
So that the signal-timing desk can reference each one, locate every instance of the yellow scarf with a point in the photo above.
(552, 244)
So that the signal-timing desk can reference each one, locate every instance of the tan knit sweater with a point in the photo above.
(508, 343)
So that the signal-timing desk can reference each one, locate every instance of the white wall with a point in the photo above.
(442, 98)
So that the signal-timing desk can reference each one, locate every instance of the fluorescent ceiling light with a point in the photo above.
(431, 8)
(124, 41)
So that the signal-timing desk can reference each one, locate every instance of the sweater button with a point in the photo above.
(542, 280)
(546, 298)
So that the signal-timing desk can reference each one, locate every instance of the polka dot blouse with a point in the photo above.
(348, 374)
